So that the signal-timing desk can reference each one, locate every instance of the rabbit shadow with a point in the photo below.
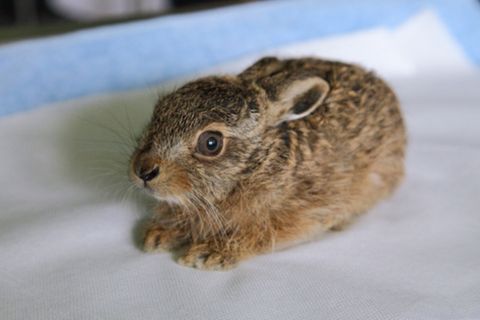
(97, 139)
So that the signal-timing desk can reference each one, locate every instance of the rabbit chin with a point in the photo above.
(170, 199)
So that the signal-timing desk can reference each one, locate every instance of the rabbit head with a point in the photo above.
(203, 137)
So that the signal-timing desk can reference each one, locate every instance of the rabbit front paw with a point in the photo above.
(157, 238)
(202, 256)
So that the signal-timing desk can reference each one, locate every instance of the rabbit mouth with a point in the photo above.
(160, 194)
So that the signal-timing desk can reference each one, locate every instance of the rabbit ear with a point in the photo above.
(298, 99)
(262, 68)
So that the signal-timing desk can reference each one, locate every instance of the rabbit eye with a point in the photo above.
(210, 143)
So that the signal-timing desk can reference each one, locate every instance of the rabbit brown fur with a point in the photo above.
(308, 145)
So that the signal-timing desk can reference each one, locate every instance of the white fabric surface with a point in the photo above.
(68, 228)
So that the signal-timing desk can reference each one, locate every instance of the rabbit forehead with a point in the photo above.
(183, 113)
(199, 103)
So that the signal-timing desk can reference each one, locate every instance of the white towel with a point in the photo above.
(67, 227)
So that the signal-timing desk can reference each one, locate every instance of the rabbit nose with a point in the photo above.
(147, 173)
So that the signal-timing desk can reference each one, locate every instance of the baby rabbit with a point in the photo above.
(246, 164)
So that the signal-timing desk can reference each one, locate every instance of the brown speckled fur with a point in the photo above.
(276, 182)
